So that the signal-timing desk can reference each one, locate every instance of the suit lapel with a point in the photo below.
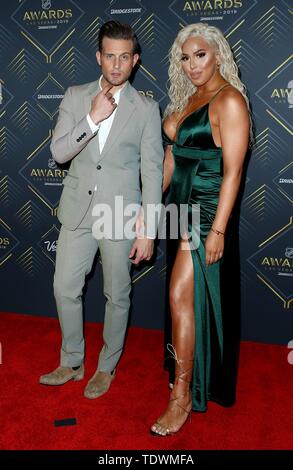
(93, 89)
(93, 145)
(124, 111)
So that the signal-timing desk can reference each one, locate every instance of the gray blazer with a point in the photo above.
(133, 153)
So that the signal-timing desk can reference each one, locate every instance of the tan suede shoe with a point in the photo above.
(61, 375)
(98, 384)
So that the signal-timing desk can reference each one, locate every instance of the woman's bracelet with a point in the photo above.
(218, 232)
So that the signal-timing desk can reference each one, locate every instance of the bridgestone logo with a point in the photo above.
(125, 10)
(284, 180)
(50, 97)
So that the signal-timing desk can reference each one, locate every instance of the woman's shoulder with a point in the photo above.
(229, 103)
(230, 106)
(229, 97)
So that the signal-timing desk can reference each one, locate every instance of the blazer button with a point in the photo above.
(90, 193)
(99, 167)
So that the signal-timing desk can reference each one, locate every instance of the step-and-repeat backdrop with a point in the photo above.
(47, 45)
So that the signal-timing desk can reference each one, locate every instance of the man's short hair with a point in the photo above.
(117, 30)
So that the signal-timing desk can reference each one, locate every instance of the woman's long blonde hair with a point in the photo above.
(181, 88)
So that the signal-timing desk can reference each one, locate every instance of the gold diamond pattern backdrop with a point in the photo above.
(48, 45)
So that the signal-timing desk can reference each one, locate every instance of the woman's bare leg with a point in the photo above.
(183, 337)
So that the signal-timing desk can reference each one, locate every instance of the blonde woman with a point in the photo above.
(207, 128)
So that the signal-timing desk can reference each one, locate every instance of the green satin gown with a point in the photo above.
(197, 179)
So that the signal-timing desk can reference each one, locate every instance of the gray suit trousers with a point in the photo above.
(76, 251)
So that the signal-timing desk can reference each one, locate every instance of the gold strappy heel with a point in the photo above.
(184, 374)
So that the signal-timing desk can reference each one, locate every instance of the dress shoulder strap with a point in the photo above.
(219, 90)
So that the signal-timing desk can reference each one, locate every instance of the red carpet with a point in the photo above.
(261, 418)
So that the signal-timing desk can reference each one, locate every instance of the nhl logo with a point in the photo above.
(46, 4)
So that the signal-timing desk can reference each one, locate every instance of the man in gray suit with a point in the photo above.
(111, 134)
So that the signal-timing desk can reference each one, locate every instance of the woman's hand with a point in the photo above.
(214, 247)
